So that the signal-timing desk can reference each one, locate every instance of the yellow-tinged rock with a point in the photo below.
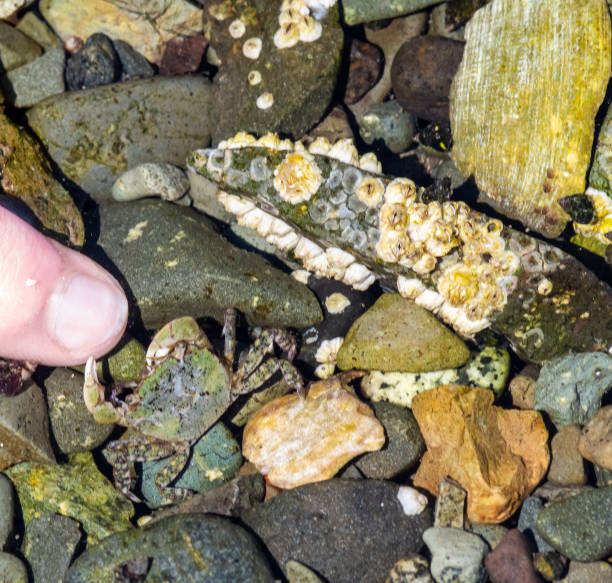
(296, 441)
(147, 25)
(498, 456)
(523, 103)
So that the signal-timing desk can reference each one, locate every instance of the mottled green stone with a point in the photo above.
(123, 364)
(76, 489)
(358, 11)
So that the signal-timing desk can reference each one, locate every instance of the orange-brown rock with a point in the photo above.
(497, 455)
(296, 441)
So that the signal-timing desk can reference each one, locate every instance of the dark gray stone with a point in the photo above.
(527, 522)
(390, 123)
(49, 544)
(345, 530)
(95, 135)
(12, 570)
(175, 264)
(405, 444)
(133, 64)
(210, 548)
(95, 64)
(579, 527)
(7, 511)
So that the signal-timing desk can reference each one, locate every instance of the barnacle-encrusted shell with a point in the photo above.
(297, 177)
(523, 103)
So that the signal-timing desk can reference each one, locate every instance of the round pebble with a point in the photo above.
(151, 179)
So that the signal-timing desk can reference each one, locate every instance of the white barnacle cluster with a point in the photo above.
(297, 178)
(326, 355)
(298, 20)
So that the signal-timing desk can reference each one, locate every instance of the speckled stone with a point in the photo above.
(566, 464)
(298, 573)
(596, 572)
(492, 534)
(151, 179)
(16, 49)
(95, 64)
(379, 340)
(510, 562)
(7, 511)
(390, 123)
(12, 570)
(527, 522)
(411, 569)
(450, 504)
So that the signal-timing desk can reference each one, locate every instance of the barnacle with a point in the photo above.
(252, 47)
(236, 28)
(265, 100)
(254, 77)
(400, 190)
(297, 177)
(370, 190)
(345, 151)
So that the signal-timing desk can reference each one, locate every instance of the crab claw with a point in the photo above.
(94, 396)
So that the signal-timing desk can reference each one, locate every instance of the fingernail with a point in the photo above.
(85, 312)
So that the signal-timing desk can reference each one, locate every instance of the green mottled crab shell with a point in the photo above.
(182, 399)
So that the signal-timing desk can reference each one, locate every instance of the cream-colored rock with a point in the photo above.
(498, 456)
(297, 441)
(595, 443)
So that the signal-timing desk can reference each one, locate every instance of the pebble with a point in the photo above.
(24, 428)
(183, 55)
(16, 49)
(404, 446)
(49, 544)
(595, 572)
(595, 443)
(358, 11)
(7, 511)
(36, 80)
(510, 561)
(492, 534)
(566, 465)
(602, 475)
(577, 526)
(133, 64)
(36, 29)
(550, 565)
(421, 74)
(456, 555)
(95, 64)
(450, 504)
(379, 340)
(390, 123)
(167, 181)
(215, 459)
(358, 519)
(570, 388)
(527, 522)
(72, 425)
(411, 569)
(497, 455)
(522, 387)
(8, 7)
(365, 67)
(207, 548)
(298, 573)
(295, 440)
(12, 569)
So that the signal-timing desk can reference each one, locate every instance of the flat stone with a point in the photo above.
(358, 11)
(456, 555)
(76, 489)
(570, 387)
(527, 522)
(297, 82)
(380, 340)
(167, 181)
(12, 569)
(175, 264)
(596, 572)
(566, 464)
(595, 443)
(450, 504)
(208, 548)
(492, 534)
(497, 455)
(7, 511)
(38, 79)
(404, 447)
(577, 526)
(147, 28)
(74, 127)
(73, 426)
(24, 428)
(49, 544)
(215, 459)
(358, 519)
(511, 560)
(388, 122)
(16, 49)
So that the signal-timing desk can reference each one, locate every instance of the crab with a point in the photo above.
(184, 388)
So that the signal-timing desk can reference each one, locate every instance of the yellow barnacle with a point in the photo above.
(370, 190)
(297, 177)
(391, 246)
(400, 190)
(392, 216)
(458, 284)
(287, 35)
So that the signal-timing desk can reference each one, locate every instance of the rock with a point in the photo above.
(595, 443)
(596, 572)
(566, 464)
(49, 544)
(72, 425)
(421, 74)
(26, 174)
(358, 519)
(365, 67)
(208, 548)
(95, 64)
(411, 569)
(577, 527)
(449, 18)
(38, 31)
(552, 492)
(133, 64)
(215, 459)
(24, 428)
(8, 7)
(295, 440)
(358, 11)
(497, 455)
(404, 445)
(522, 387)
(487, 369)
(75, 127)
(456, 555)
(144, 25)
(298, 573)
(12, 570)
(285, 90)
(183, 55)
(511, 560)
(527, 522)
(380, 340)
(16, 49)
(518, 157)
(551, 565)
(150, 179)
(570, 388)
(7, 511)
(492, 534)
(450, 504)
(75, 489)
(176, 265)
(38, 79)
(257, 400)
(390, 123)
(603, 476)
(334, 126)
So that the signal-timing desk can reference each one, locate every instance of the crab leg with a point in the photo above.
(94, 395)
(170, 472)
(265, 371)
(229, 335)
